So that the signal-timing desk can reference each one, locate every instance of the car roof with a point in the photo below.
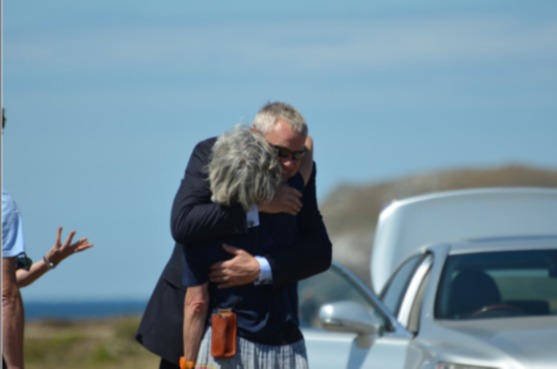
(409, 224)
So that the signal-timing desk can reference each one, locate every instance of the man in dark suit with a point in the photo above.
(196, 219)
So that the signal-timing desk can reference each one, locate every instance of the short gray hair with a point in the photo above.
(269, 114)
(243, 168)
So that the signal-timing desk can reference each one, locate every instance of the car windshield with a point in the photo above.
(498, 284)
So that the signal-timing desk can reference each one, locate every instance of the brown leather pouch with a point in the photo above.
(223, 340)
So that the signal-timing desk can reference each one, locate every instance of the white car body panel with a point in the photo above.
(407, 225)
(330, 350)
(342, 350)
(365, 332)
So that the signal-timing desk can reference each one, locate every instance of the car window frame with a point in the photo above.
(417, 259)
(411, 299)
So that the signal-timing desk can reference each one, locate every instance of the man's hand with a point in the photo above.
(286, 200)
(242, 269)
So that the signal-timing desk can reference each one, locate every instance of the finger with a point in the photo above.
(81, 242)
(216, 267)
(294, 192)
(216, 277)
(296, 204)
(83, 247)
(226, 284)
(292, 198)
(230, 249)
(309, 143)
(288, 209)
(58, 236)
(296, 195)
(232, 282)
(69, 239)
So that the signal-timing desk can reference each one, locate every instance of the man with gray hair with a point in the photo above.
(196, 219)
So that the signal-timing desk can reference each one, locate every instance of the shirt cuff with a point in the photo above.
(265, 274)
(252, 216)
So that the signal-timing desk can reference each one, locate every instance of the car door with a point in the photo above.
(386, 348)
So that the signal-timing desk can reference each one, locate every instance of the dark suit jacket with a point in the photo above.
(196, 219)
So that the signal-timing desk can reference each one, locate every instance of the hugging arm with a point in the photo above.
(196, 306)
(195, 218)
(310, 256)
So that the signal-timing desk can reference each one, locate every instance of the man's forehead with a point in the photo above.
(285, 135)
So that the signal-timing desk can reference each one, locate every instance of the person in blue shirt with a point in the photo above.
(19, 271)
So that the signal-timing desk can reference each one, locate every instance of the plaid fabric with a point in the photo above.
(251, 355)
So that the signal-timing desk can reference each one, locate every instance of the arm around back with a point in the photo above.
(195, 218)
(313, 254)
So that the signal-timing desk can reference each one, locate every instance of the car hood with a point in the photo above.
(528, 341)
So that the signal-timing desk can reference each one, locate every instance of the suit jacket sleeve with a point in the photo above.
(310, 256)
(194, 216)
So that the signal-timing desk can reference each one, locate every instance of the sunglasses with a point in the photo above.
(286, 153)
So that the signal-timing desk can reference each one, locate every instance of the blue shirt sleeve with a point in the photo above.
(12, 227)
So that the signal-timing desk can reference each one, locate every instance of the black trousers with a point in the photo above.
(168, 365)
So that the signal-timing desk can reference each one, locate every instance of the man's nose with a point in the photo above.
(287, 163)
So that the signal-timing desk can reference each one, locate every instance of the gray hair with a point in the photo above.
(271, 112)
(243, 169)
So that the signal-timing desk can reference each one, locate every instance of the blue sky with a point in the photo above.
(106, 99)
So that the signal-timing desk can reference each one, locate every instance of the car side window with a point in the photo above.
(330, 286)
(393, 293)
(515, 283)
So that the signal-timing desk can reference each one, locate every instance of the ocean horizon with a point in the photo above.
(82, 310)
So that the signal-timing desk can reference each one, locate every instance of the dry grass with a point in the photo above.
(94, 344)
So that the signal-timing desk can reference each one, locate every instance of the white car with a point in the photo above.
(469, 304)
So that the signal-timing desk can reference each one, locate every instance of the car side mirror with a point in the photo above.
(349, 317)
